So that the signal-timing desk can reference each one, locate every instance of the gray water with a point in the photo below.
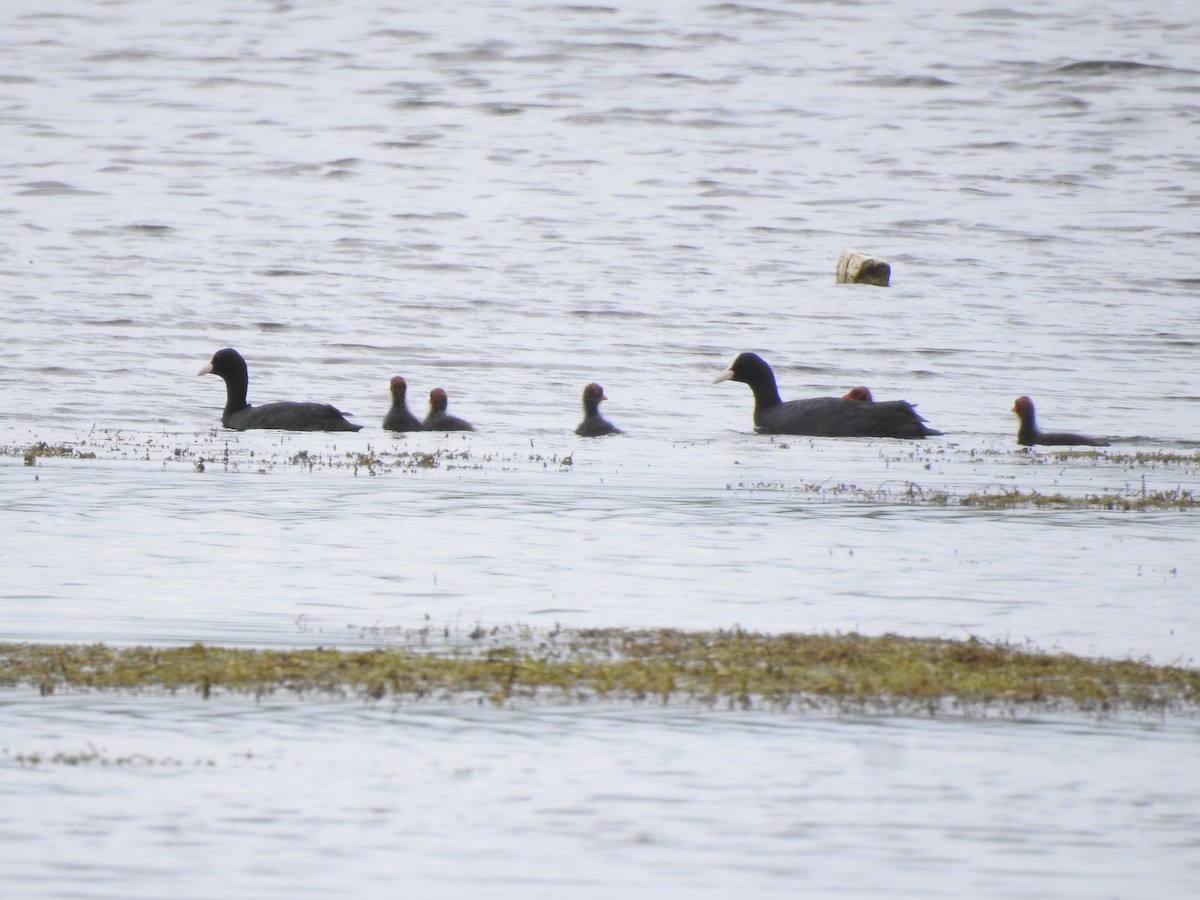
(509, 201)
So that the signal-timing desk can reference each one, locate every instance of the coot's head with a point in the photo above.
(747, 367)
(399, 388)
(1023, 407)
(859, 393)
(438, 400)
(593, 393)
(225, 363)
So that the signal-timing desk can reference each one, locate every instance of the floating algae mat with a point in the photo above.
(735, 669)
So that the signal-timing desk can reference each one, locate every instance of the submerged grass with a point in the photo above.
(730, 668)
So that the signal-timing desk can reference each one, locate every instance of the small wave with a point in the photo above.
(998, 14)
(54, 189)
(906, 81)
(742, 9)
(611, 314)
(152, 230)
(1115, 66)
(401, 34)
(124, 56)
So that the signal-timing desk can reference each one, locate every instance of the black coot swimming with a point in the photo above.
(594, 424)
(821, 416)
(1028, 433)
(398, 417)
(440, 420)
(287, 415)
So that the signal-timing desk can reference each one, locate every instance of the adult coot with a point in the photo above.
(398, 417)
(820, 416)
(859, 393)
(1028, 433)
(440, 420)
(287, 415)
(594, 424)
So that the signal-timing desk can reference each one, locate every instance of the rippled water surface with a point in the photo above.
(510, 200)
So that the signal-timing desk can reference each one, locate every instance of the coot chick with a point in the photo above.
(398, 417)
(594, 424)
(286, 415)
(440, 420)
(1028, 434)
(820, 416)
(859, 393)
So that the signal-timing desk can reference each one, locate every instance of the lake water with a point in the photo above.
(511, 200)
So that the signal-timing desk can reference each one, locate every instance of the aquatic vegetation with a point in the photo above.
(910, 493)
(1140, 500)
(42, 449)
(94, 756)
(738, 669)
(1139, 458)
(1127, 484)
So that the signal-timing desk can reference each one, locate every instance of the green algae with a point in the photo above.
(726, 668)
